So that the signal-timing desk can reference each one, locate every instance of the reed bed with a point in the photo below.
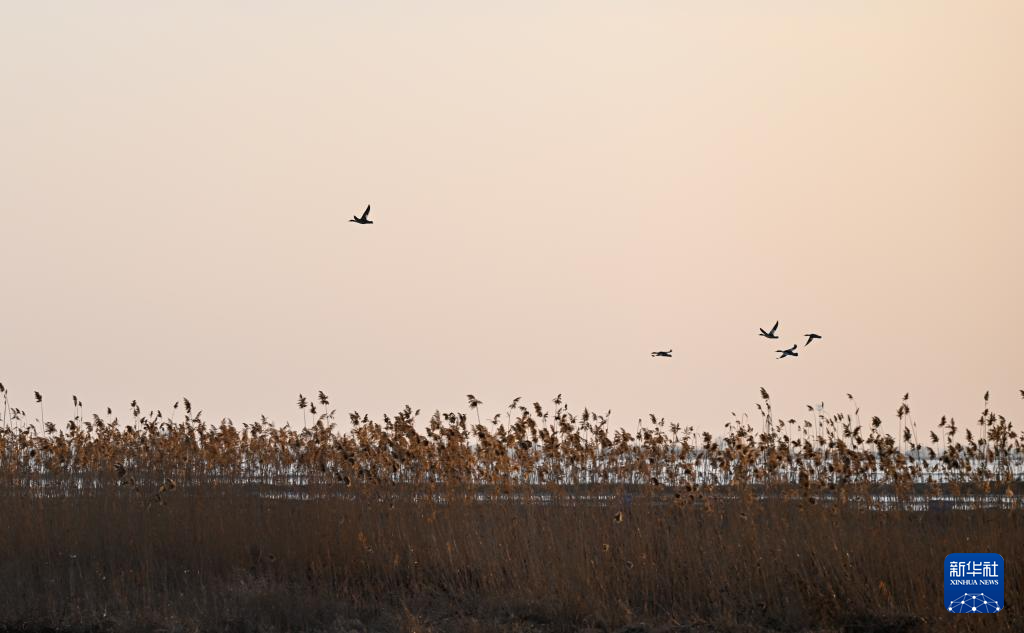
(537, 519)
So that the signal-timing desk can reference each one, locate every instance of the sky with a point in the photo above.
(558, 189)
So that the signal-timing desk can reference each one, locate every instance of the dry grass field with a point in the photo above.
(537, 520)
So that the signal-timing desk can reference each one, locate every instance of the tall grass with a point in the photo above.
(534, 520)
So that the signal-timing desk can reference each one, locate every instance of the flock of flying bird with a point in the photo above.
(767, 334)
(364, 219)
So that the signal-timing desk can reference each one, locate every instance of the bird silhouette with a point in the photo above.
(788, 352)
(667, 354)
(362, 220)
(811, 337)
(770, 333)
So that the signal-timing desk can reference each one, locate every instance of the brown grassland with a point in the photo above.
(535, 520)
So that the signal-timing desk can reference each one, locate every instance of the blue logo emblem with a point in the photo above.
(974, 583)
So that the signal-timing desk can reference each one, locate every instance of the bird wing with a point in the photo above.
(366, 213)
(774, 327)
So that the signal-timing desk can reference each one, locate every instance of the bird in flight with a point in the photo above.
(667, 354)
(788, 352)
(811, 337)
(770, 333)
(362, 220)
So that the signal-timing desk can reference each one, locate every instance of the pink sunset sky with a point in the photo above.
(558, 189)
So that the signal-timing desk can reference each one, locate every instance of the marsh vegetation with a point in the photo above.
(537, 519)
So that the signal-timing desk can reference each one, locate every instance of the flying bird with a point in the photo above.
(770, 333)
(811, 337)
(362, 220)
(788, 352)
(667, 354)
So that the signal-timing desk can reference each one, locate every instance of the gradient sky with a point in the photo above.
(559, 188)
